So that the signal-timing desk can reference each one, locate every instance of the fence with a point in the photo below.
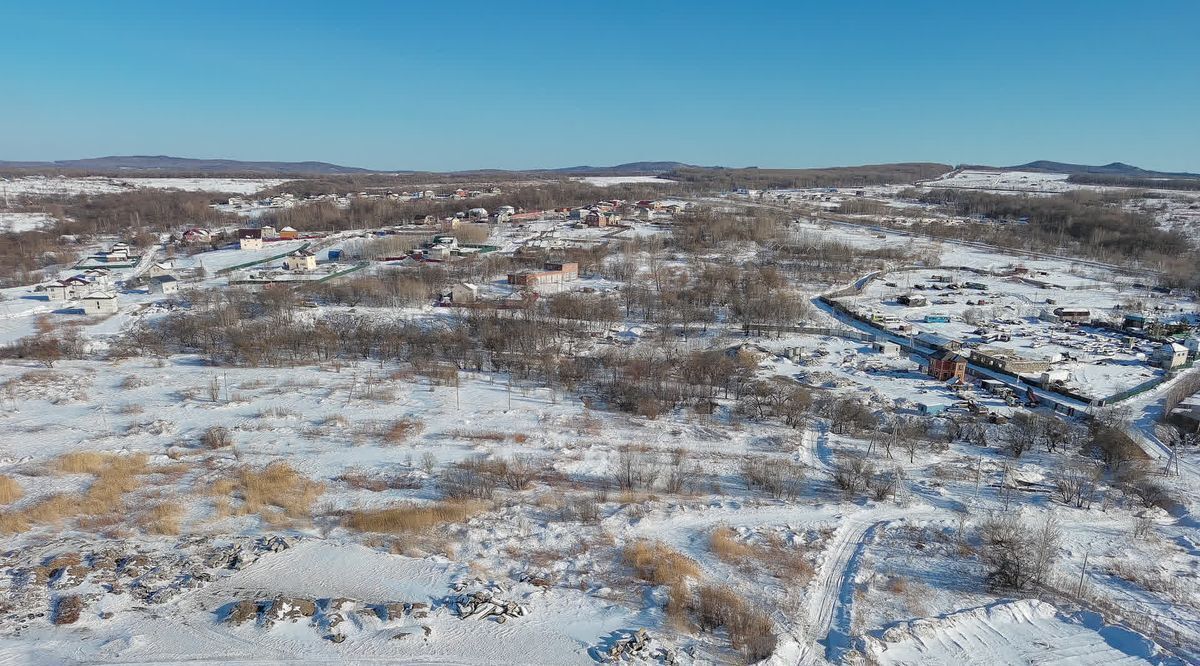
(248, 264)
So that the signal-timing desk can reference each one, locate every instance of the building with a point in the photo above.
(947, 366)
(1073, 315)
(99, 303)
(160, 268)
(300, 260)
(599, 218)
(250, 239)
(164, 284)
(886, 348)
(912, 300)
(1006, 361)
(1135, 322)
(196, 235)
(1193, 346)
(1170, 355)
(477, 215)
(1186, 414)
(938, 342)
(551, 273)
(288, 233)
(464, 292)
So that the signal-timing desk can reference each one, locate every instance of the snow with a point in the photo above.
(42, 186)
(605, 181)
(1015, 632)
(17, 222)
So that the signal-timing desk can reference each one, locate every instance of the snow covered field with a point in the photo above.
(17, 222)
(604, 181)
(1019, 181)
(42, 186)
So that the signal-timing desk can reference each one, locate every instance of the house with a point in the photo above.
(1170, 355)
(288, 233)
(160, 268)
(1186, 414)
(164, 284)
(1193, 346)
(477, 215)
(300, 260)
(250, 239)
(912, 300)
(886, 348)
(464, 292)
(99, 302)
(947, 366)
(1073, 315)
(196, 235)
(599, 218)
(1006, 361)
(551, 273)
(938, 342)
(440, 248)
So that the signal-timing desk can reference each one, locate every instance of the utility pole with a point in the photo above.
(1083, 572)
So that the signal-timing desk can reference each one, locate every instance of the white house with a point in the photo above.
(164, 284)
(464, 292)
(99, 302)
(300, 260)
(1170, 355)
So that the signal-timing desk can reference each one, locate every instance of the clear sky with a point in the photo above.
(458, 85)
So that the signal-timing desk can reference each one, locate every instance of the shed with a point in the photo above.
(100, 303)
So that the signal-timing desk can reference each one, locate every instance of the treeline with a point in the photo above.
(720, 178)
(1091, 221)
(1113, 180)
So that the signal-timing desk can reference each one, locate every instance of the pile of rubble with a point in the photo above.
(149, 573)
(324, 615)
(636, 645)
(484, 604)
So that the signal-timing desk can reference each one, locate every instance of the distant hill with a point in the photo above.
(1113, 169)
(629, 169)
(162, 164)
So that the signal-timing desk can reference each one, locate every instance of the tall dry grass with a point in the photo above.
(114, 477)
(411, 517)
(276, 492)
(10, 490)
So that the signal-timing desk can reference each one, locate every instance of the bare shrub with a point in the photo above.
(853, 473)
(10, 490)
(751, 631)
(781, 479)
(1076, 482)
(1149, 492)
(472, 479)
(411, 517)
(1017, 555)
(636, 469)
(68, 610)
(362, 480)
(216, 437)
(582, 509)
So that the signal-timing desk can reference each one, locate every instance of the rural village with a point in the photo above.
(683, 417)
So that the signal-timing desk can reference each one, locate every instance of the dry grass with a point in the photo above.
(402, 429)
(411, 517)
(102, 504)
(10, 490)
(750, 630)
(478, 435)
(361, 480)
(216, 437)
(162, 519)
(725, 545)
(658, 564)
(275, 487)
(776, 557)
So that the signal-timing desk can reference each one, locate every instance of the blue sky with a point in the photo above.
(538, 84)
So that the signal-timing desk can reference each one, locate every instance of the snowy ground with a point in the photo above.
(604, 181)
(36, 186)
(895, 579)
(17, 222)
